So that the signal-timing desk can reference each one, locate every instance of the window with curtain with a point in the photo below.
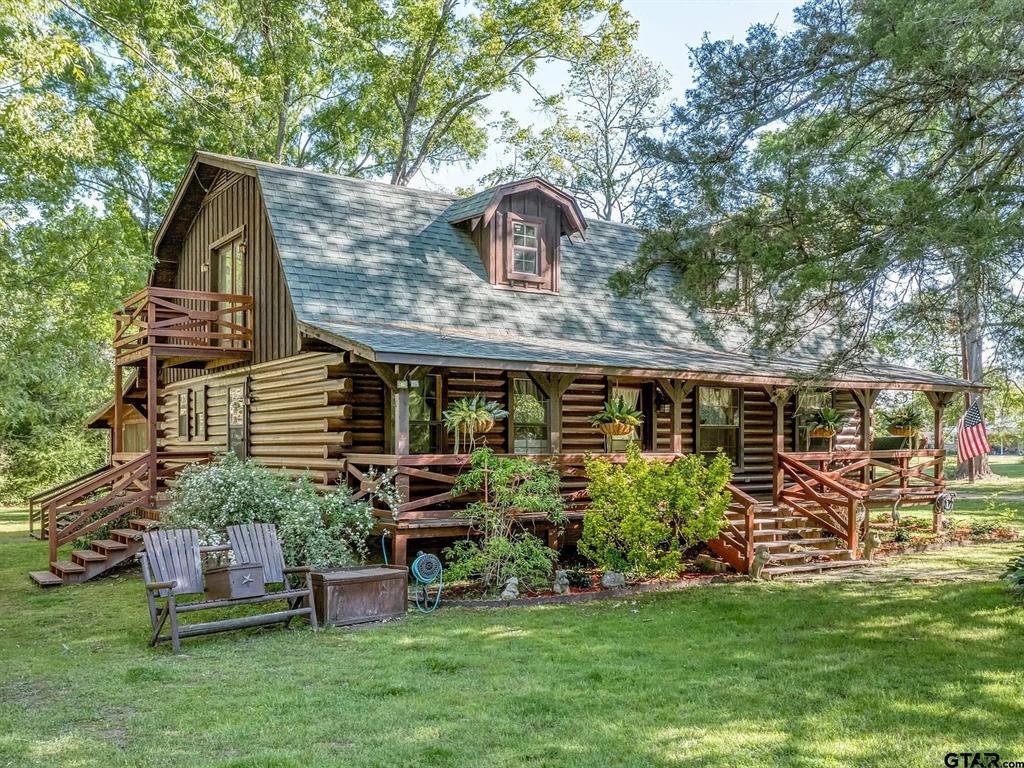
(425, 416)
(631, 396)
(718, 423)
(529, 418)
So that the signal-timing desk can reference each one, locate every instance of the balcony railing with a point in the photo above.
(194, 324)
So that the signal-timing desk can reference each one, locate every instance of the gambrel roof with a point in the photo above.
(384, 271)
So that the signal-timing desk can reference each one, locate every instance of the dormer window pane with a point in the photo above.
(524, 249)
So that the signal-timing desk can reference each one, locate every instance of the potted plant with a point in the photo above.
(616, 418)
(826, 422)
(468, 417)
(904, 421)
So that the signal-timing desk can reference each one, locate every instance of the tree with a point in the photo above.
(600, 151)
(861, 174)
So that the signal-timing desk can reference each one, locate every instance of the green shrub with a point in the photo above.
(44, 459)
(1014, 575)
(645, 512)
(502, 547)
(317, 529)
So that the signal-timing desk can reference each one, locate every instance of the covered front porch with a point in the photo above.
(831, 484)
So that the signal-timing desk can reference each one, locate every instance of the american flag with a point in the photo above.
(972, 437)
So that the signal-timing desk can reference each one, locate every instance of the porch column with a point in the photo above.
(939, 401)
(554, 387)
(779, 397)
(152, 414)
(865, 404)
(117, 433)
(677, 391)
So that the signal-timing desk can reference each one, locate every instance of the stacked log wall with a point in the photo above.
(305, 412)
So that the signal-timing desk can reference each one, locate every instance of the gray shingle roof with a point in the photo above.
(382, 267)
(468, 207)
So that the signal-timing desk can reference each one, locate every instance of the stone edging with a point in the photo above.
(603, 594)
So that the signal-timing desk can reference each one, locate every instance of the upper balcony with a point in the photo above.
(184, 328)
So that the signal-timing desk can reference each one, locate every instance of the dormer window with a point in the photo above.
(517, 229)
(525, 248)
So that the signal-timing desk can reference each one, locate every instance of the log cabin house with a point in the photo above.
(321, 324)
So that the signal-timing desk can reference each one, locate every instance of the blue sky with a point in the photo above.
(668, 28)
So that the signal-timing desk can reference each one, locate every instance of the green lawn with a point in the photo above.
(787, 674)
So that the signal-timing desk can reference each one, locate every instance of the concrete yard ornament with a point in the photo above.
(761, 557)
(871, 544)
(511, 591)
(561, 585)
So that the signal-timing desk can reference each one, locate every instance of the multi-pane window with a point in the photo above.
(237, 418)
(183, 430)
(229, 277)
(525, 248)
(424, 416)
(529, 418)
(718, 424)
(199, 412)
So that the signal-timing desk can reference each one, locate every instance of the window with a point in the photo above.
(183, 430)
(229, 277)
(525, 248)
(199, 412)
(718, 423)
(529, 418)
(631, 396)
(425, 415)
(237, 417)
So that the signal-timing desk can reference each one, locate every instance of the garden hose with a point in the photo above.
(426, 569)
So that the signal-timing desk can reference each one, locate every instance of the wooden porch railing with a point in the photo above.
(835, 490)
(196, 320)
(425, 485)
(37, 503)
(735, 544)
(87, 507)
(104, 497)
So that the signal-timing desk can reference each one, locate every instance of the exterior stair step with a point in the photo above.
(836, 554)
(810, 543)
(128, 534)
(762, 532)
(83, 556)
(66, 567)
(143, 523)
(46, 578)
(104, 546)
(810, 568)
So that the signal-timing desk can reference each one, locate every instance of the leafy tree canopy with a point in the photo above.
(863, 172)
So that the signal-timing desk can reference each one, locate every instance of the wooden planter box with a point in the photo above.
(361, 594)
(230, 582)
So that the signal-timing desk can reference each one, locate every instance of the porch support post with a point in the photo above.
(865, 404)
(939, 401)
(677, 391)
(152, 413)
(117, 433)
(779, 397)
(554, 387)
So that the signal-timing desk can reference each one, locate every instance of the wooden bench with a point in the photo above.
(172, 567)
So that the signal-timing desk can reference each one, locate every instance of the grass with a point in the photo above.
(785, 674)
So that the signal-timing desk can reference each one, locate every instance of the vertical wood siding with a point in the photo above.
(234, 201)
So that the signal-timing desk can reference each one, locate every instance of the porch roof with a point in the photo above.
(459, 347)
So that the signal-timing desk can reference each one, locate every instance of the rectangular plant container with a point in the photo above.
(360, 594)
(226, 582)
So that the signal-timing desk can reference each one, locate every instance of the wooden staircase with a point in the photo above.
(102, 556)
(798, 543)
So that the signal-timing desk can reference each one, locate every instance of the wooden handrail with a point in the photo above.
(44, 496)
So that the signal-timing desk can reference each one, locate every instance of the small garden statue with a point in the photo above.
(761, 557)
(872, 542)
(561, 586)
(511, 591)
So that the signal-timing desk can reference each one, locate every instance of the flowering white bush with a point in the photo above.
(317, 529)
